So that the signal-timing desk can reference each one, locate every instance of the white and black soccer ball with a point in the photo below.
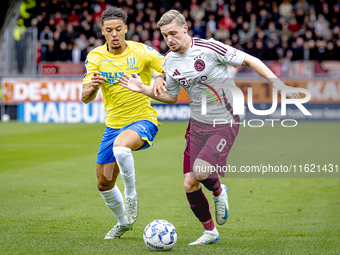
(160, 235)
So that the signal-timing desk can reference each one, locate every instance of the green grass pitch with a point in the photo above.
(49, 203)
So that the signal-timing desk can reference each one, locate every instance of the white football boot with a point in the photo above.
(131, 209)
(221, 206)
(208, 237)
(117, 231)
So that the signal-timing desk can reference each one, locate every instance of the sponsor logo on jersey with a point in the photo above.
(189, 82)
(184, 82)
(112, 78)
(233, 55)
(132, 68)
(107, 62)
(131, 61)
(176, 73)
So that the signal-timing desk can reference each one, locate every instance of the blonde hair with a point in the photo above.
(170, 16)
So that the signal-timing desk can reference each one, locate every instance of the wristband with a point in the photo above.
(161, 75)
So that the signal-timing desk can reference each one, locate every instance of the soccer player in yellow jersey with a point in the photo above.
(131, 121)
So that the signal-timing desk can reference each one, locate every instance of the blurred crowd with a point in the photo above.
(269, 30)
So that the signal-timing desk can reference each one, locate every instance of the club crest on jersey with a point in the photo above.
(131, 61)
(199, 64)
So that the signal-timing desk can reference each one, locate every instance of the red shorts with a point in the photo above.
(209, 143)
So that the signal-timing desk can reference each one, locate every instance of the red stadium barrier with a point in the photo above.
(61, 68)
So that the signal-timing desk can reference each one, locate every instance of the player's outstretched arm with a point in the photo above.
(259, 67)
(135, 84)
(159, 87)
(90, 89)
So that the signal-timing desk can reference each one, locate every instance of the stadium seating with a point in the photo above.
(279, 30)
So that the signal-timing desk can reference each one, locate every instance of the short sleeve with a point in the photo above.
(155, 58)
(230, 55)
(90, 68)
(173, 88)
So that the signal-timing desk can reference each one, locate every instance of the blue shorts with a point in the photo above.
(146, 130)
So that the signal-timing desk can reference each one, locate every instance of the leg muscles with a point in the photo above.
(107, 176)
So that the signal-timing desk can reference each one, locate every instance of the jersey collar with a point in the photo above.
(189, 49)
(125, 52)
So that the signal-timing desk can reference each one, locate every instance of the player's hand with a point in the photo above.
(132, 83)
(159, 87)
(291, 94)
(97, 80)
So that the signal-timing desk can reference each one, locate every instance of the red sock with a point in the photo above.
(212, 183)
(217, 192)
(199, 205)
(208, 225)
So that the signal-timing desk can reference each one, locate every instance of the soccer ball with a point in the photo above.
(5, 118)
(160, 235)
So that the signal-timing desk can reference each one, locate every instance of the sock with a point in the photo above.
(125, 162)
(209, 225)
(114, 200)
(218, 192)
(212, 183)
(199, 205)
(213, 231)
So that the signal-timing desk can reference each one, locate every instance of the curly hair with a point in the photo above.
(114, 13)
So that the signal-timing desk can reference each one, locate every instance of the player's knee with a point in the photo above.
(103, 184)
(201, 175)
(121, 152)
(202, 169)
(191, 185)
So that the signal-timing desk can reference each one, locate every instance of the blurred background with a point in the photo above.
(45, 42)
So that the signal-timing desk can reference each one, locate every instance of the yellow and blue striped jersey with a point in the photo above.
(123, 106)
